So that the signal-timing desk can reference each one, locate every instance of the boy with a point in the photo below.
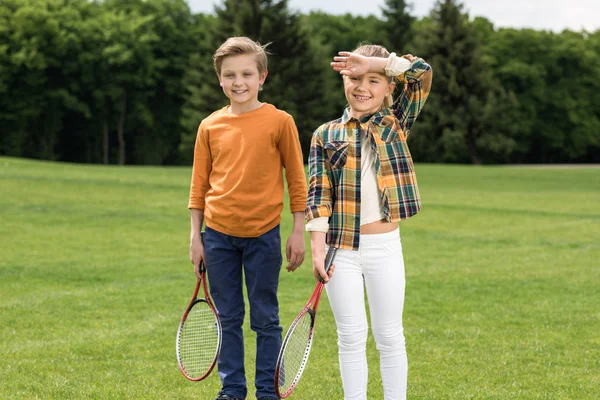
(237, 189)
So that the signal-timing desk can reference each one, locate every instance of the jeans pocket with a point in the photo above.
(393, 248)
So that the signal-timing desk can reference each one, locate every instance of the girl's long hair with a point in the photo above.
(373, 50)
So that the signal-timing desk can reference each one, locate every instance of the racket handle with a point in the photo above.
(201, 267)
(329, 260)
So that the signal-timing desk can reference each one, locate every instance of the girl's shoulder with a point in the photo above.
(330, 127)
(335, 131)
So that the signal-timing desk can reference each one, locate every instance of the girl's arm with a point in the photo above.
(319, 186)
(317, 245)
(411, 72)
(417, 85)
(352, 64)
(319, 204)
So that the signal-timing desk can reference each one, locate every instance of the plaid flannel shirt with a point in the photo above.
(335, 168)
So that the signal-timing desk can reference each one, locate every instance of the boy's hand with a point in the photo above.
(351, 64)
(294, 250)
(197, 255)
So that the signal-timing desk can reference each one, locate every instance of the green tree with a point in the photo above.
(452, 121)
(295, 77)
(76, 75)
(153, 133)
(126, 70)
(333, 33)
(40, 40)
(397, 25)
(552, 78)
(129, 81)
(202, 92)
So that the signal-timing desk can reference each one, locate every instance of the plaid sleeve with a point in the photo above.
(417, 84)
(319, 186)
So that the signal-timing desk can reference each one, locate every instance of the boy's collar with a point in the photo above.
(228, 109)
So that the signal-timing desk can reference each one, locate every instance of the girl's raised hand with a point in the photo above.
(351, 64)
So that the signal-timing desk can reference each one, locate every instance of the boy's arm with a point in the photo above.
(196, 222)
(291, 159)
(295, 248)
(196, 245)
(200, 171)
(298, 222)
(198, 189)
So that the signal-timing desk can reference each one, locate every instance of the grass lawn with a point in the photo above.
(503, 286)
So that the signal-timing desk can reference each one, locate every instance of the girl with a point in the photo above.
(361, 183)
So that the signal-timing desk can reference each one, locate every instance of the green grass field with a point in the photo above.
(503, 286)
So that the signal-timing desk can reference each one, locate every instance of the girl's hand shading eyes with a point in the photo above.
(351, 64)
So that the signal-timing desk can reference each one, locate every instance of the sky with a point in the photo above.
(551, 15)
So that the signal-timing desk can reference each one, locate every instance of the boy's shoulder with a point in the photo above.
(276, 113)
(267, 110)
(215, 115)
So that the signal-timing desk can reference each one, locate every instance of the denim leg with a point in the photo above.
(224, 268)
(262, 263)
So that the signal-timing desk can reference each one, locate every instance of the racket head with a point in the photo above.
(294, 353)
(199, 340)
(297, 343)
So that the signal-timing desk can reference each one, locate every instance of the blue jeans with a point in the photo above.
(260, 261)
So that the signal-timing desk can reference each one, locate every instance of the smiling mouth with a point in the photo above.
(361, 98)
(239, 91)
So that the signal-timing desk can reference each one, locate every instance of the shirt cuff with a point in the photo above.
(396, 65)
(320, 224)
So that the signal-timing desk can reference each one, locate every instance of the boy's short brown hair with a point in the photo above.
(241, 45)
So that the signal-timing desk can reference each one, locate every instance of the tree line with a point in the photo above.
(128, 82)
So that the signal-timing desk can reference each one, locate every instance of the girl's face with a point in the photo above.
(365, 93)
(240, 79)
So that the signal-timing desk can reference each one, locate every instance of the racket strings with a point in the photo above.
(199, 340)
(295, 354)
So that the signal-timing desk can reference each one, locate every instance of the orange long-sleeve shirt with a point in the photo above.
(237, 176)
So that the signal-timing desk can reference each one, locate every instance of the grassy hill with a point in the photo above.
(503, 286)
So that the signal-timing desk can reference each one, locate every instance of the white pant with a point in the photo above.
(380, 263)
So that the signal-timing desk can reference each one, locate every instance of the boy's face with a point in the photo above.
(365, 93)
(240, 78)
